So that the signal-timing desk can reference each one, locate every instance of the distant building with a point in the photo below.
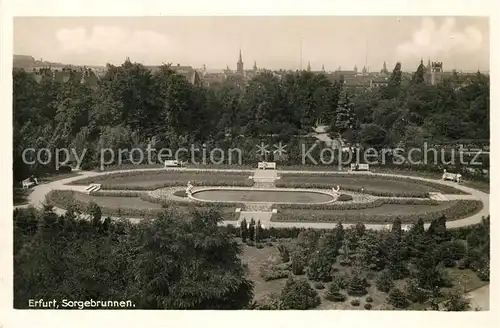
(191, 75)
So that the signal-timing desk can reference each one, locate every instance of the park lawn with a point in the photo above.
(372, 183)
(129, 206)
(150, 180)
(386, 213)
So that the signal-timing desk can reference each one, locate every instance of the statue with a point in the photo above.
(335, 192)
(189, 188)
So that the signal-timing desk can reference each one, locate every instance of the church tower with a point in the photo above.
(239, 65)
(309, 66)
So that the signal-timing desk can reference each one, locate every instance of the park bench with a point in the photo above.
(173, 164)
(266, 165)
(29, 182)
(360, 167)
(451, 176)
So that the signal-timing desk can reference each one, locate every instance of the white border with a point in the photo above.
(10, 318)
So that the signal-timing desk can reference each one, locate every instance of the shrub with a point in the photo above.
(108, 193)
(269, 244)
(260, 246)
(271, 273)
(65, 169)
(320, 267)
(357, 286)
(334, 294)
(384, 281)
(298, 263)
(398, 299)
(319, 285)
(355, 302)
(340, 280)
(367, 306)
(369, 299)
(284, 253)
(298, 295)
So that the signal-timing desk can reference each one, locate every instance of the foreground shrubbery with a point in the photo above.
(151, 264)
(456, 211)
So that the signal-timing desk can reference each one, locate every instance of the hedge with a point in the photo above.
(358, 206)
(443, 188)
(179, 183)
(458, 210)
(66, 198)
(168, 202)
(117, 193)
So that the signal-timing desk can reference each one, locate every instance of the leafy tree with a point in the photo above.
(298, 262)
(298, 295)
(251, 230)
(244, 230)
(320, 267)
(418, 76)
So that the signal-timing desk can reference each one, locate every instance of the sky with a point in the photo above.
(272, 42)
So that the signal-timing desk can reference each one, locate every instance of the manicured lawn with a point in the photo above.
(117, 202)
(372, 183)
(150, 180)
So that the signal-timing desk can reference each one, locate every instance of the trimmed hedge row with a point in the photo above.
(66, 198)
(165, 203)
(458, 210)
(106, 193)
(444, 188)
(359, 206)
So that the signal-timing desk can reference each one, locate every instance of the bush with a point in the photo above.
(284, 253)
(398, 299)
(344, 198)
(298, 263)
(272, 273)
(384, 281)
(320, 267)
(357, 286)
(355, 302)
(367, 306)
(65, 169)
(369, 299)
(334, 294)
(319, 285)
(298, 295)
(340, 281)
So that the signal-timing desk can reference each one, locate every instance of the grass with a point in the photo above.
(378, 185)
(151, 180)
(453, 210)
(135, 207)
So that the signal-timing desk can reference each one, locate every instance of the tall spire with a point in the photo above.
(309, 66)
(240, 60)
(239, 65)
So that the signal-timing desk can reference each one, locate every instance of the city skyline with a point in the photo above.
(461, 43)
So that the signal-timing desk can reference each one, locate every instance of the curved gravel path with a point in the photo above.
(37, 197)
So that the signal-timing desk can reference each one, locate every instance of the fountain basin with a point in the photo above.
(254, 195)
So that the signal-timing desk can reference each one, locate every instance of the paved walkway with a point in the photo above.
(37, 197)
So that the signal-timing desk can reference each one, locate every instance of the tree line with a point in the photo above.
(131, 107)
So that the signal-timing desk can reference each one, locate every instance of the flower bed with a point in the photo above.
(457, 210)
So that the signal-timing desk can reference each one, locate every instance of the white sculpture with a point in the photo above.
(335, 192)
(189, 188)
